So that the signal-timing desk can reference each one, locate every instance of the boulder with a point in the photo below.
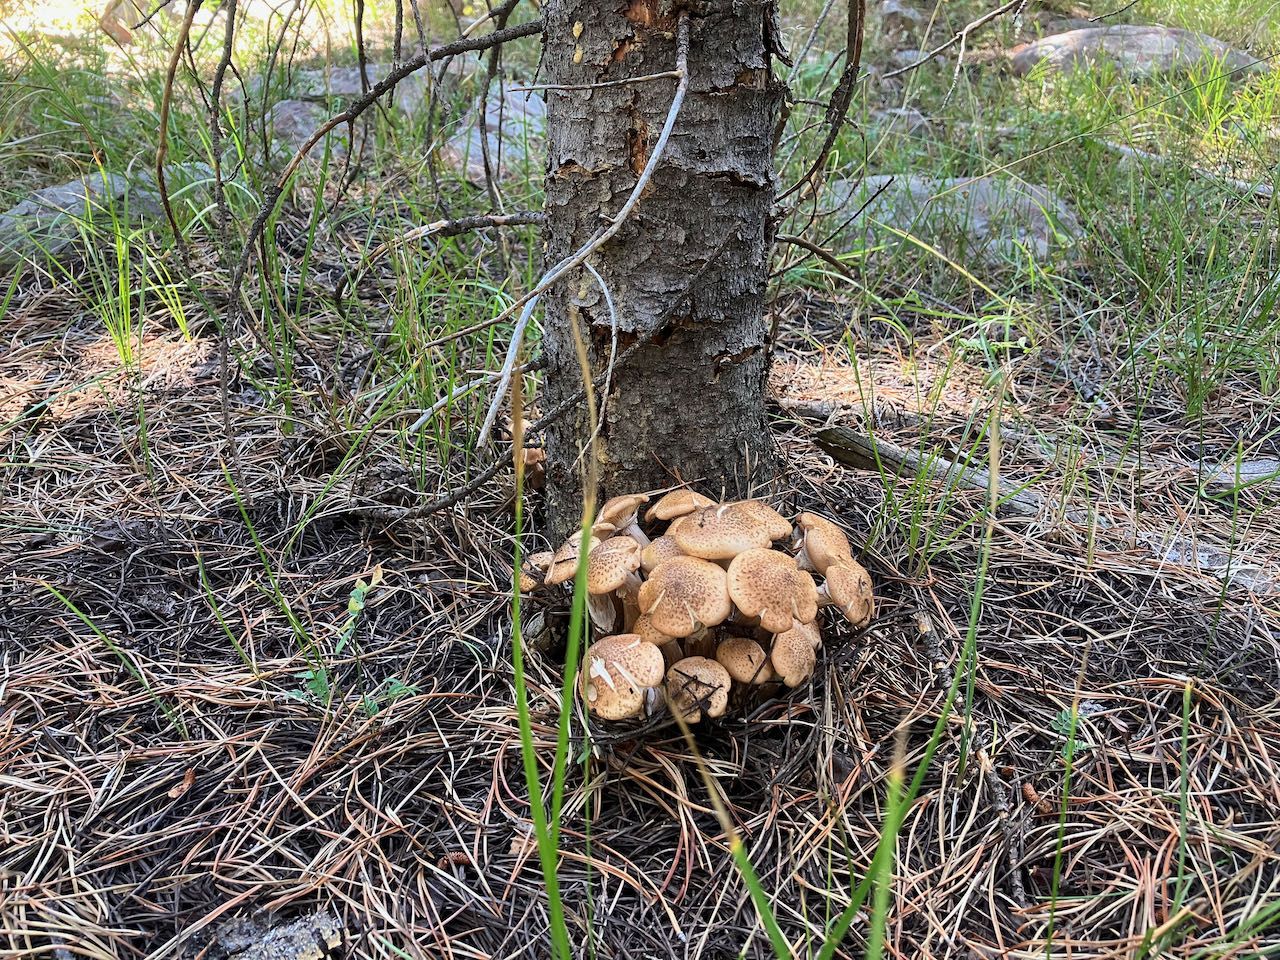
(1138, 51)
(994, 218)
(514, 123)
(292, 122)
(52, 219)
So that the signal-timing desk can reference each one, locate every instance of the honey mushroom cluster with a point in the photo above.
(706, 607)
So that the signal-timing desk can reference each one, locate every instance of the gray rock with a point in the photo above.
(1139, 51)
(995, 218)
(908, 57)
(900, 120)
(343, 83)
(52, 219)
(897, 17)
(292, 122)
(514, 125)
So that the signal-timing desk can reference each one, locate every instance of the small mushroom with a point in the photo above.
(745, 660)
(535, 467)
(848, 587)
(792, 657)
(659, 549)
(623, 512)
(675, 504)
(767, 584)
(821, 543)
(720, 532)
(698, 686)
(684, 596)
(533, 572)
(618, 672)
(611, 568)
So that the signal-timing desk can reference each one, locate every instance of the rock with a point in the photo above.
(343, 83)
(52, 219)
(1139, 51)
(897, 17)
(995, 218)
(514, 123)
(903, 121)
(292, 122)
(1238, 474)
(909, 57)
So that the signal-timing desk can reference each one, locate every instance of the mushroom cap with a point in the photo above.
(670, 646)
(684, 594)
(676, 504)
(659, 549)
(565, 563)
(745, 660)
(824, 543)
(848, 586)
(792, 657)
(696, 686)
(779, 526)
(768, 584)
(533, 571)
(618, 670)
(808, 632)
(720, 532)
(621, 511)
(610, 564)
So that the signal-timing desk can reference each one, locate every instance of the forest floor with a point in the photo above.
(236, 705)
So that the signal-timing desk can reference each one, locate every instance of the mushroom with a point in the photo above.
(792, 657)
(611, 567)
(670, 646)
(533, 572)
(675, 504)
(767, 584)
(535, 467)
(619, 670)
(698, 686)
(745, 660)
(779, 527)
(720, 532)
(685, 595)
(623, 512)
(565, 563)
(808, 632)
(659, 549)
(848, 587)
(821, 543)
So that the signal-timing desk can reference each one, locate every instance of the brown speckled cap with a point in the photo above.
(621, 511)
(659, 549)
(610, 564)
(684, 594)
(677, 503)
(745, 660)
(848, 587)
(618, 670)
(822, 543)
(768, 584)
(778, 526)
(720, 532)
(792, 657)
(698, 686)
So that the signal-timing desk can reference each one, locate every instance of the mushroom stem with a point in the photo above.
(633, 531)
(602, 611)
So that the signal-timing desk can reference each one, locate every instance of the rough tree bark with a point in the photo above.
(689, 405)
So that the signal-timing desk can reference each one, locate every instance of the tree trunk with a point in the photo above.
(689, 404)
